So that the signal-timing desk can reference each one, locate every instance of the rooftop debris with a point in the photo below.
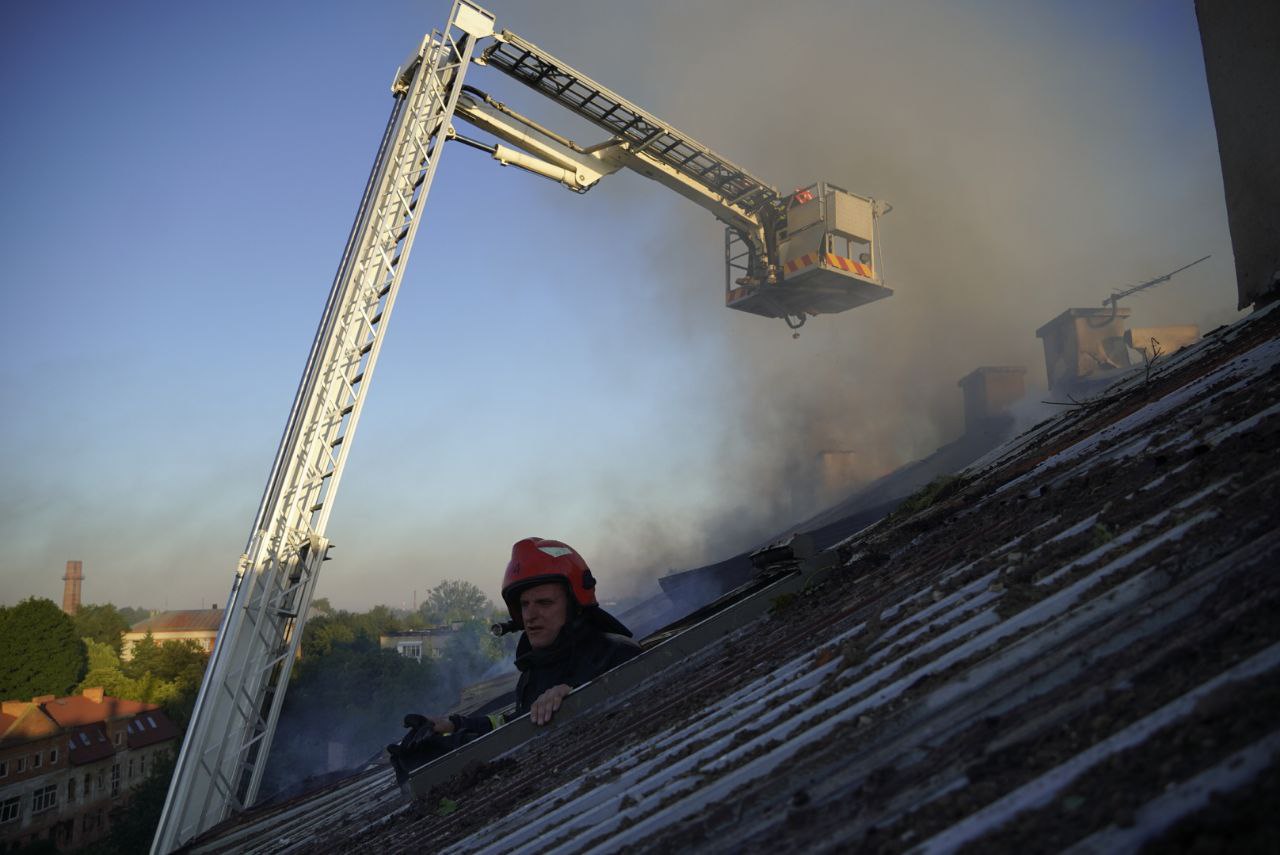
(1072, 643)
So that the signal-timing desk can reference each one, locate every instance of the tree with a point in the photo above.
(453, 600)
(101, 623)
(132, 615)
(40, 652)
(168, 674)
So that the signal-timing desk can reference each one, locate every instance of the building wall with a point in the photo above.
(415, 644)
(1242, 65)
(83, 796)
(45, 795)
(206, 638)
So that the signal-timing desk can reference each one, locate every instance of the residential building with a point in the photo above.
(198, 625)
(415, 643)
(66, 763)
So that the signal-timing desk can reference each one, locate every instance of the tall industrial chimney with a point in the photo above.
(71, 587)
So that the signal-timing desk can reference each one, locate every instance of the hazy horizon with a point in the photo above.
(180, 182)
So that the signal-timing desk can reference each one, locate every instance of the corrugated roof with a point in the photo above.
(1075, 646)
(182, 620)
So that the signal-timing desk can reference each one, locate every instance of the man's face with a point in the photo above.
(544, 610)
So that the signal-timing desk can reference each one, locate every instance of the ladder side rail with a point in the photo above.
(229, 626)
(650, 136)
(652, 147)
(269, 611)
(449, 64)
(341, 277)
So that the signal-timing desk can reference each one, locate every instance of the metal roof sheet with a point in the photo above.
(1075, 647)
(183, 620)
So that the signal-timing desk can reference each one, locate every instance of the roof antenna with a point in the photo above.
(1117, 296)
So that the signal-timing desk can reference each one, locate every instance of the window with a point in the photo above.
(142, 765)
(130, 768)
(151, 721)
(115, 780)
(53, 756)
(99, 780)
(71, 790)
(43, 799)
(20, 765)
(88, 785)
(10, 809)
(119, 739)
(4, 768)
(84, 738)
(36, 760)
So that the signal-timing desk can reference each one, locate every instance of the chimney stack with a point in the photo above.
(1084, 345)
(989, 392)
(71, 587)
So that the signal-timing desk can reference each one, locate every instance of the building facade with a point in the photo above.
(417, 643)
(198, 625)
(66, 763)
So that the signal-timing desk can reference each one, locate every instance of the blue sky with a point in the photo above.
(179, 180)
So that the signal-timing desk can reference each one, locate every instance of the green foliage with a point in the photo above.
(326, 633)
(132, 615)
(342, 630)
(40, 652)
(940, 488)
(166, 674)
(101, 623)
(348, 692)
(454, 600)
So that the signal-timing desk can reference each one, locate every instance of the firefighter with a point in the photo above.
(568, 640)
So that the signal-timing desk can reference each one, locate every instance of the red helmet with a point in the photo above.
(535, 561)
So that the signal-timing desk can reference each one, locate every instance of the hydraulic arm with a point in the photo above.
(224, 752)
(793, 256)
(812, 252)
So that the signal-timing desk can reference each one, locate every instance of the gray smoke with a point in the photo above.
(1036, 158)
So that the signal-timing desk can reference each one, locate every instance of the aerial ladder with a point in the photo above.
(793, 256)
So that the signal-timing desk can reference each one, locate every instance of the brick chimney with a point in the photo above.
(71, 587)
(989, 391)
(1082, 345)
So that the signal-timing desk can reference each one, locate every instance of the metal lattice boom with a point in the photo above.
(223, 754)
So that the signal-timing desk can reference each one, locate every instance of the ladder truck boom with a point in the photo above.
(811, 252)
(814, 251)
(224, 751)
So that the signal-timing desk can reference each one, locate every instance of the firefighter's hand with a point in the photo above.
(547, 703)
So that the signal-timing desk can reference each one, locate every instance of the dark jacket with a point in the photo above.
(582, 652)
(591, 643)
